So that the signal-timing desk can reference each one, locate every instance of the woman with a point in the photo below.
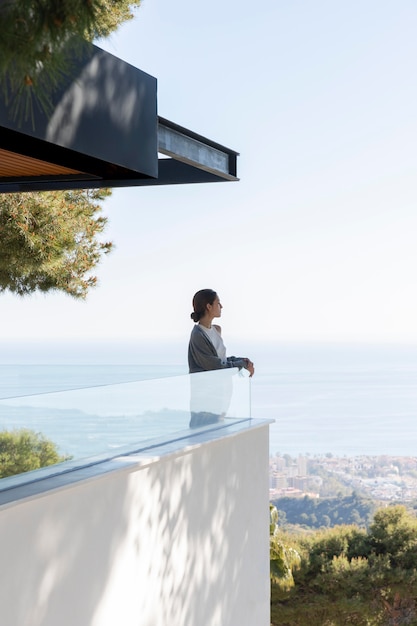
(206, 350)
(210, 395)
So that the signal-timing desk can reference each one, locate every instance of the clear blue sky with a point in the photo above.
(318, 239)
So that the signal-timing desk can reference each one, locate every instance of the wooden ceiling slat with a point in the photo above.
(14, 165)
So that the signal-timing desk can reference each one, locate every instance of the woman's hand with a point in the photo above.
(250, 367)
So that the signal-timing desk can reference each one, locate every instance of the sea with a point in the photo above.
(339, 399)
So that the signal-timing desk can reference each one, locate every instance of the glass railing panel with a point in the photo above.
(19, 380)
(108, 420)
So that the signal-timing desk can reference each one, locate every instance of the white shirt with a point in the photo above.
(217, 341)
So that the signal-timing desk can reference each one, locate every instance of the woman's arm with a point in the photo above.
(242, 362)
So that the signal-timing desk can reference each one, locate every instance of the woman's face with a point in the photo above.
(215, 309)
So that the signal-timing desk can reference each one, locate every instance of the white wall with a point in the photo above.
(178, 541)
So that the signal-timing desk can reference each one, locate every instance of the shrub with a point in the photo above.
(23, 450)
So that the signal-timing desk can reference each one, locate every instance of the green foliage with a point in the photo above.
(24, 450)
(325, 545)
(283, 561)
(349, 575)
(34, 34)
(49, 241)
(394, 533)
(326, 512)
(283, 558)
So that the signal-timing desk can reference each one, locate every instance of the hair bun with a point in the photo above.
(195, 316)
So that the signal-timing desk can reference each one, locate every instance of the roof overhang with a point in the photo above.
(102, 130)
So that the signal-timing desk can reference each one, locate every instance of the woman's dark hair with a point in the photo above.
(200, 301)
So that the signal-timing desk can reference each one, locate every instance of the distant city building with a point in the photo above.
(302, 466)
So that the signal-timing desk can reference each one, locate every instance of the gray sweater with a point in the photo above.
(202, 355)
